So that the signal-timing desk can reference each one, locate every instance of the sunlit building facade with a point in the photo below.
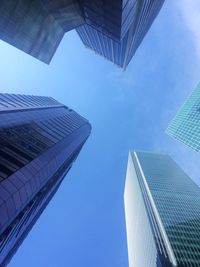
(39, 141)
(162, 209)
(185, 127)
(113, 29)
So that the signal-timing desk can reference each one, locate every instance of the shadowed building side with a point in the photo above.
(38, 26)
(113, 29)
(135, 20)
(40, 139)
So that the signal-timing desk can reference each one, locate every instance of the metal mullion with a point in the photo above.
(51, 130)
(13, 154)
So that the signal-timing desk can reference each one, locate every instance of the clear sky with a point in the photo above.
(84, 225)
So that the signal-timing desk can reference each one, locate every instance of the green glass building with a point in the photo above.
(162, 210)
(185, 126)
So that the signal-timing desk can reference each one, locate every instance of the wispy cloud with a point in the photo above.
(185, 17)
(190, 10)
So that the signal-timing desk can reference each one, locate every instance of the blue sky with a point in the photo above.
(84, 225)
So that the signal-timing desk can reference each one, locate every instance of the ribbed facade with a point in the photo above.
(113, 29)
(133, 18)
(185, 127)
(162, 207)
(40, 139)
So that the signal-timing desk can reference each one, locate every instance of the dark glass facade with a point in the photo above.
(122, 25)
(40, 139)
(38, 26)
(162, 206)
(113, 29)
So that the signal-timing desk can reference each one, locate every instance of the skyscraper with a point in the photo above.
(37, 27)
(113, 29)
(185, 126)
(162, 208)
(39, 141)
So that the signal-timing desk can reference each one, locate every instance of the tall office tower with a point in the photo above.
(39, 141)
(185, 126)
(113, 29)
(38, 26)
(162, 208)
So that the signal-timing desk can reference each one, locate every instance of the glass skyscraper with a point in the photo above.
(37, 27)
(162, 209)
(39, 141)
(185, 126)
(113, 29)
